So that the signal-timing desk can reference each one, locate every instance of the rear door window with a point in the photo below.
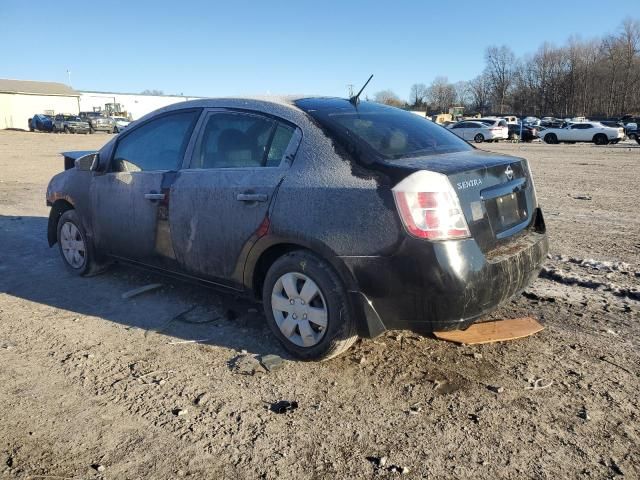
(241, 140)
(159, 144)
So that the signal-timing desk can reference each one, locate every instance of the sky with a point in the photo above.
(239, 47)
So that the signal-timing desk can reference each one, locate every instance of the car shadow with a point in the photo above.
(181, 311)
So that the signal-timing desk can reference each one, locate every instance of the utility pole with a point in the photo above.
(69, 76)
(350, 89)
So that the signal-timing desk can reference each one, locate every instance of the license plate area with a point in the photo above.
(507, 211)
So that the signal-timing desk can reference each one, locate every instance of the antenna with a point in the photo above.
(356, 98)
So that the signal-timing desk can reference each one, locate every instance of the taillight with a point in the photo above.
(429, 207)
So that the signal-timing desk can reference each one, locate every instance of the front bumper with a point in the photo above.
(436, 286)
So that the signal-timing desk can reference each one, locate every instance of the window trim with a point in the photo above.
(285, 162)
(129, 131)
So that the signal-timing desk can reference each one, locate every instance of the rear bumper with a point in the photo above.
(435, 286)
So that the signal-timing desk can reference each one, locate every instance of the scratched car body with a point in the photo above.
(345, 218)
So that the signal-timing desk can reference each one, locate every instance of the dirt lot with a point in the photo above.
(88, 379)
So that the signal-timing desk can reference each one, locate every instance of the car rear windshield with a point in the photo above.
(386, 132)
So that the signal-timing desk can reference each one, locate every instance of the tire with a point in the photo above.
(91, 130)
(66, 129)
(600, 139)
(479, 138)
(638, 140)
(632, 136)
(70, 229)
(551, 138)
(115, 130)
(292, 273)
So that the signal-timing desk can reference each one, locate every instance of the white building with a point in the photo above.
(135, 105)
(21, 99)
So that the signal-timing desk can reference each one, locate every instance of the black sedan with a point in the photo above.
(527, 133)
(344, 218)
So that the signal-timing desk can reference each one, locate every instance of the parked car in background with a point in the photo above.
(583, 132)
(612, 124)
(98, 122)
(631, 130)
(262, 198)
(528, 133)
(120, 124)
(476, 131)
(69, 124)
(41, 122)
(534, 121)
(510, 119)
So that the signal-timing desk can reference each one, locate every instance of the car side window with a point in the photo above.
(156, 145)
(459, 125)
(241, 140)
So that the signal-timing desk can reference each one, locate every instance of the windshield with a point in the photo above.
(71, 118)
(386, 132)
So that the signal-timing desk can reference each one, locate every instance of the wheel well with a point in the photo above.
(267, 258)
(57, 209)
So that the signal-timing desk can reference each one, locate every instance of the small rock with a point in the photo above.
(584, 414)
(477, 356)
(405, 470)
(363, 360)
(284, 406)
(382, 462)
(98, 467)
(247, 365)
(179, 412)
(272, 362)
(202, 399)
(496, 389)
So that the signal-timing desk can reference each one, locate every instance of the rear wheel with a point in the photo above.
(66, 129)
(551, 138)
(600, 139)
(479, 138)
(75, 247)
(307, 307)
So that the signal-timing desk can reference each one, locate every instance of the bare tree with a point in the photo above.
(417, 95)
(388, 97)
(501, 66)
(152, 92)
(480, 91)
(441, 94)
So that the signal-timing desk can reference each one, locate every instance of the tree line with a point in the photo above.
(593, 78)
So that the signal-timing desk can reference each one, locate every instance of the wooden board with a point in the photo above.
(497, 331)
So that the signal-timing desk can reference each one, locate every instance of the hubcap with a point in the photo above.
(299, 309)
(72, 243)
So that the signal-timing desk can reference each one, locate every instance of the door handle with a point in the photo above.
(252, 197)
(154, 196)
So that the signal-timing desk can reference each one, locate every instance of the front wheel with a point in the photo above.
(75, 247)
(479, 138)
(307, 307)
(551, 138)
(66, 129)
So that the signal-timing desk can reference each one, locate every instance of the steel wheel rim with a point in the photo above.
(299, 309)
(73, 246)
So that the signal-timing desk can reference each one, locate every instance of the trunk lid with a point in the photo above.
(496, 192)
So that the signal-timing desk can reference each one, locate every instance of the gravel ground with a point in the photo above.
(93, 386)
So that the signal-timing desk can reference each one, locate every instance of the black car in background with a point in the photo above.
(344, 218)
(41, 122)
(528, 133)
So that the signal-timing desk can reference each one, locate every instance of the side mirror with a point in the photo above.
(88, 162)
